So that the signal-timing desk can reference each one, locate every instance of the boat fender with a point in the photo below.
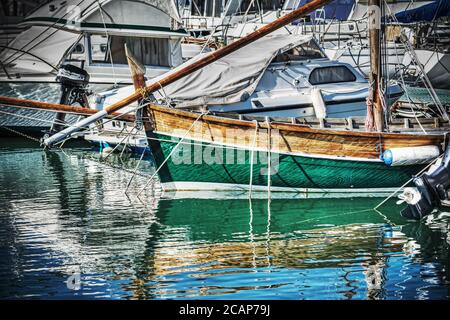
(318, 103)
(410, 155)
(105, 148)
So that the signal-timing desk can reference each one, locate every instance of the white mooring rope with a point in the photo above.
(171, 153)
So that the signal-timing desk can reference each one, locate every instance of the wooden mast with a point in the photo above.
(190, 68)
(374, 104)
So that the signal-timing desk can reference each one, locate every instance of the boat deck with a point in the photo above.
(403, 125)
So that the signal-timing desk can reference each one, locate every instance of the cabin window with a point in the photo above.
(305, 51)
(149, 51)
(333, 74)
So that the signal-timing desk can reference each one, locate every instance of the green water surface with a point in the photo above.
(65, 212)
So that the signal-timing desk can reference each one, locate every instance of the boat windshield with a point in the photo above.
(333, 74)
(306, 51)
(149, 51)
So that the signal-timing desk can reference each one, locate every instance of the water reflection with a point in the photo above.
(66, 212)
(28, 120)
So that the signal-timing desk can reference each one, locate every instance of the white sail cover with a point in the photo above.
(168, 6)
(230, 79)
(64, 13)
(38, 50)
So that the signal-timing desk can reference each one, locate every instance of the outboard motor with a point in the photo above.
(74, 83)
(430, 190)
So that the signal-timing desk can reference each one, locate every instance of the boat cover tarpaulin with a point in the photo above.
(338, 10)
(397, 7)
(428, 12)
(38, 49)
(230, 79)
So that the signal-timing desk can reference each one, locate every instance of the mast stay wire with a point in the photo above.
(109, 43)
(414, 58)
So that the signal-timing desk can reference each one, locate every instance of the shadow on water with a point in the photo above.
(66, 212)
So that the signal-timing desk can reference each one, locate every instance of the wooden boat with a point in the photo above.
(304, 159)
(267, 155)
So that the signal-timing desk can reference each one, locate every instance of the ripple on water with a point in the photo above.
(65, 213)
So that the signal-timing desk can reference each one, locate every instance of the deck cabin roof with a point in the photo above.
(138, 17)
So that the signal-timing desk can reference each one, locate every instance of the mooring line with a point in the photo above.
(335, 215)
(267, 242)
(407, 182)
(252, 159)
(171, 153)
(21, 134)
(114, 149)
(135, 171)
(251, 235)
(269, 155)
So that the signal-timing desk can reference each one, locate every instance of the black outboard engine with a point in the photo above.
(430, 190)
(74, 83)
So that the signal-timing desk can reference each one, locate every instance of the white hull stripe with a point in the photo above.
(187, 186)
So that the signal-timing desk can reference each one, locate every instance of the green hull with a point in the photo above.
(292, 171)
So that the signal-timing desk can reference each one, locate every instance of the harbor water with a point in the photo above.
(68, 230)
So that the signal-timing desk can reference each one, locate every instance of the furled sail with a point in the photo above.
(232, 78)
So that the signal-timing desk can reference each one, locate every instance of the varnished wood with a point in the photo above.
(54, 107)
(292, 138)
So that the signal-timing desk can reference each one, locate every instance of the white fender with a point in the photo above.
(410, 155)
(318, 103)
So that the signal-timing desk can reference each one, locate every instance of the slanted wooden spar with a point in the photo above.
(54, 107)
(190, 68)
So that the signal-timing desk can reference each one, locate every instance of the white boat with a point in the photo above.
(357, 54)
(91, 34)
(11, 14)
